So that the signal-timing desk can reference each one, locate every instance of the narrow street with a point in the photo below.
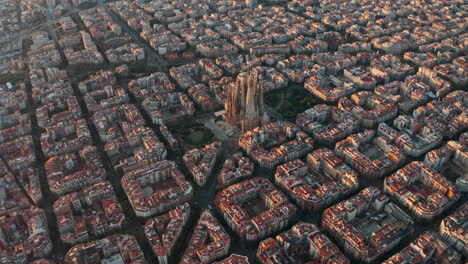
(153, 59)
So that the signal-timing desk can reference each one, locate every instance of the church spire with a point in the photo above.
(244, 103)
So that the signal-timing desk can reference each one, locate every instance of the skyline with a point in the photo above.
(233, 132)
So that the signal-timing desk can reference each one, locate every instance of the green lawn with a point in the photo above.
(290, 101)
(198, 135)
(192, 133)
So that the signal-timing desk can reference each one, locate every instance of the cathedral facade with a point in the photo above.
(244, 103)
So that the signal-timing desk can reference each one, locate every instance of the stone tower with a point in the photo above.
(244, 102)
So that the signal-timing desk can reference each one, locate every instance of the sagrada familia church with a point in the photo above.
(244, 103)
